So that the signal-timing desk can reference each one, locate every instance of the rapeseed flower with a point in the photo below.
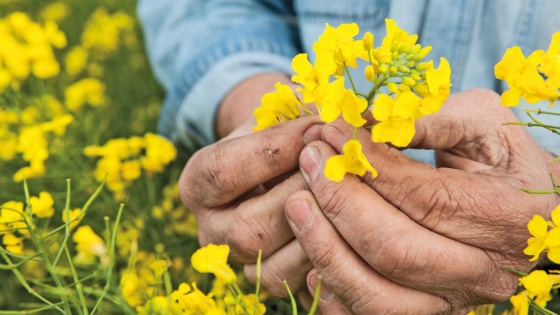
(340, 44)
(42, 206)
(213, 259)
(396, 118)
(352, 161)
(88, 245)
(279, 106)
(339, 100)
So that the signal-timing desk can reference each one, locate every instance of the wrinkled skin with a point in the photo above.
(414, 240)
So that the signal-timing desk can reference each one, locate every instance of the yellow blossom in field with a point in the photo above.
(88, 90)
(159, 267)
(159, 153)
(35, 169)
(58, 124)
(132, 288)
(339, 100)
(76, 60)
(55, 11)
(353, 161)
(249, 302)
(131, 170)
(160, 305)
(213, 259)
(13, 244)
(42, 206)
(12, 218)
(396, 118)
(340, 44)
(88, 245)
(103, 31)
(279, 106)
(75, 217)
(192, 300)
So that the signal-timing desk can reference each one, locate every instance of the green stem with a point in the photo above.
(315, 303)
(20, 263)
(34, 311)
(258, 285)
(350, 77)
(67, 226)
(539, 111)
(292, 300)
(25, 284)
(39, 244)
(77, 282)
(111, 259)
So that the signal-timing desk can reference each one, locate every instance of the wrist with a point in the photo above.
(238, 105)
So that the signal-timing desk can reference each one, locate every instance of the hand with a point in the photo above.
(419, 239)
(237, 188)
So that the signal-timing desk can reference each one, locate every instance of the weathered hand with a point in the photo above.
(237, 188)
(419, 239)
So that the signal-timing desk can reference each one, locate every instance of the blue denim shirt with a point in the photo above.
(200, 49)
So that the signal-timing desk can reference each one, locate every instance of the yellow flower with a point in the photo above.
(538, 227)
(438, 88)
(277, 107)
(160, 305)
(76, 60)
(89, 245)
(538, 282)
(87, 90)
(523, 78)
(132, 288)
(159, 153)
(341, 100)
(353, 161)
(313, 76)
(159, 267)
(131, 170)
(192, 300)
(12, 217)
(247, 300)
(213, 259)
(36, 169)
(396, 118)
(340, 44)
(55, 11)
(75, 217)
(42, 206)
(13, 244)
(395, 40)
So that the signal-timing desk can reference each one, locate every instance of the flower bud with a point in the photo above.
(368, 41)
(403, 69)
(393, 70)
(424, 66)
(423, 53)
(369, 73)
(393, 87)
(414, 49)
(408, 81)
(383, 68)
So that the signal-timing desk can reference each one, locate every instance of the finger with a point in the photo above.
(453, 202)
(252, 224)
(289, 263)
(220, 173)
(345, 274)
(395, 245)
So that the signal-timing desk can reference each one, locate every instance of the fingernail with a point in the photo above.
(334, 136)
(313, 133)
(299, 214)
(325, 293)
(310, 162)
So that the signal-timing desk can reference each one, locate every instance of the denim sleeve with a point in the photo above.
(200, 49)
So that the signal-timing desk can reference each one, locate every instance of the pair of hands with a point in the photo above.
(414, 240)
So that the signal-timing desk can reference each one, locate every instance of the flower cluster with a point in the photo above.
(403, 89)
(546, 237)
(27, 47)
(535, 78)
(15, 221)
(537, 286)
(103, 32)
(28, 133)
(189, 299)
(122, 160)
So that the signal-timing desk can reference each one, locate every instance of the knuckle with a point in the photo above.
(245, 238)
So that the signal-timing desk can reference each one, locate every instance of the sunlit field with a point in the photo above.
(91, 221)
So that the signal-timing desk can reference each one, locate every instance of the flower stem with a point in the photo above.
(350, 77)
(292, 299)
